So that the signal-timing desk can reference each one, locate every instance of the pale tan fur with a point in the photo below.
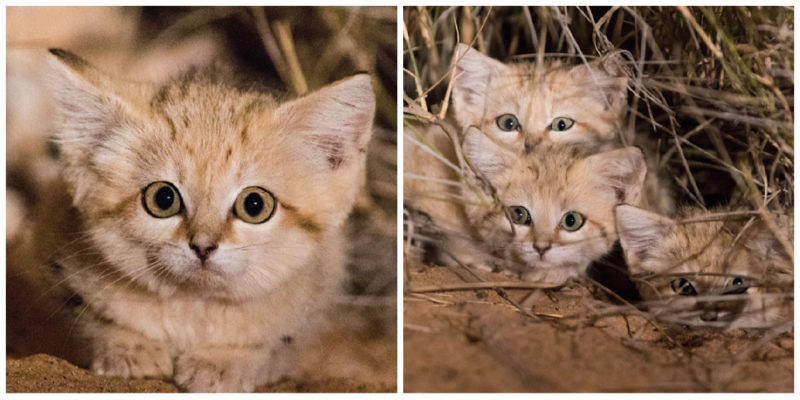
(660, 250)
(150, 306)
(548, 180)
(593, 95)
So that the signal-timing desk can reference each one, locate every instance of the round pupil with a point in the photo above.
(737, 282)
(165, 197)
(253, 204)
(510, 123)
(570, 220)
(561, 126)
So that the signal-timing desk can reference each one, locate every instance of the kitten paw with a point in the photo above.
(197, 375)
(132, 360)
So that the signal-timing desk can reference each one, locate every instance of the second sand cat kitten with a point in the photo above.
(557, 205)
(707, 272)
(519, 104)
(204, 233)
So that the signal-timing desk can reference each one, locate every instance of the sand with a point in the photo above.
(355, 355)
(475, 341)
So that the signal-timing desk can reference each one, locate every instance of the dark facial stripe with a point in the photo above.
(303, 221)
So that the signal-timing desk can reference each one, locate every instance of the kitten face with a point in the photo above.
(675, 257)
(516, 105)
(558, 204)
(200, 187)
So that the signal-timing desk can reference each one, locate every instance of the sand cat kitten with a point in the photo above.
(709, 272)
(204, 232)
(519, 104)
(558, 203)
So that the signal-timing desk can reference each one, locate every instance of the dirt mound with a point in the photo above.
(477, 341)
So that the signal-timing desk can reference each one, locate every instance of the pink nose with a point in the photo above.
(203, 251)
(542, 247)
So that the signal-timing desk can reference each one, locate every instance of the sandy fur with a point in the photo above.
(147, 307)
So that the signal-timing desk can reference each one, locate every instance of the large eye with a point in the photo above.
(254, 205)
(519, 215)
(507, 122)
(682, 287)
(561, 124)
(572, 221)
(161, 199)
(737, 286)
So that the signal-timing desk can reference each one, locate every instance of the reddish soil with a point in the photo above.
(353, 355)
(476, 341)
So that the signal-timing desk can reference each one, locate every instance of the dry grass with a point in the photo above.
(711, 87)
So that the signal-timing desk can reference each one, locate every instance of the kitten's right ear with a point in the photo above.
(87, 100)
(640, 233)
(473, 75)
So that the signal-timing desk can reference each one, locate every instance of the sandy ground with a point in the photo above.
(353, 356)
(476, 341)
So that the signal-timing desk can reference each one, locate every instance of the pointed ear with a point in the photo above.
(761, 241)
(622, 170)
(90, 112)
(605, 78)
(473, 76)
(88, 102)
(335, 122)
(483, 154)
(640, 234)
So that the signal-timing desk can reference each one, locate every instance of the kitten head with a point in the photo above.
(696, 265)
(518, 104)
(196, 185)
(558, 204)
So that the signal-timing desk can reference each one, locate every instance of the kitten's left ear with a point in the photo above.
(622, 170)
(761, 240)
(640, 234)
(605, 78)
(335, 121)
(483, 154)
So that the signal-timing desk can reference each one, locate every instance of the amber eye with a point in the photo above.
(519, 215)
(572, 221)
(683, 287)
(507, 122)
(161, 199)
(254, 205)
(561, 124)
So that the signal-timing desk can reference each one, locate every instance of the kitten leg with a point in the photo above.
(468, 253)
(117, 351)
(224, 369)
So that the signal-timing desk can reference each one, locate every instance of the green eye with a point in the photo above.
(161, 199)
(737, 286)
(519, 215)
(507, 122)
(561, 124)
(254, 205)
(682, 287)
(572, 221)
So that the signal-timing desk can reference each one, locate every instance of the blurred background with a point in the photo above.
(286, 51)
